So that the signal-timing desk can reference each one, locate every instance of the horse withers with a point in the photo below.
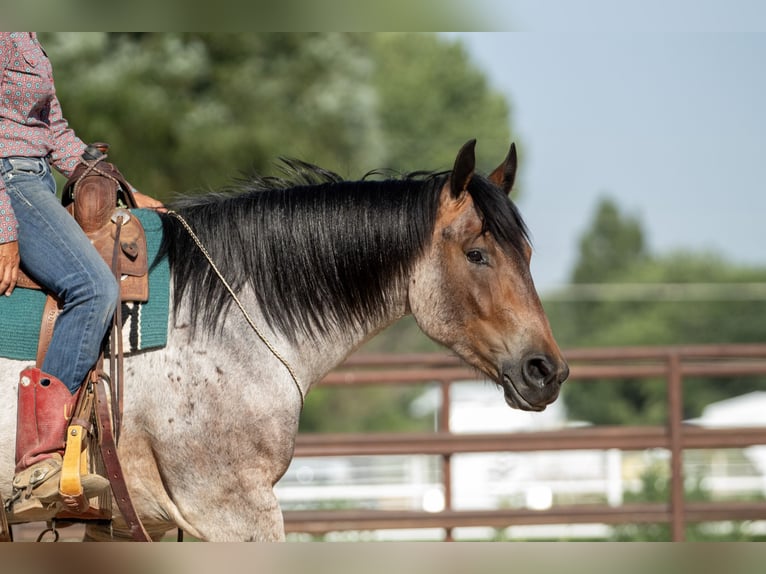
(307, 268)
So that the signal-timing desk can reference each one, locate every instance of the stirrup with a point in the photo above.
(76, 485)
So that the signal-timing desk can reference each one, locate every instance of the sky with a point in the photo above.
(671, 124)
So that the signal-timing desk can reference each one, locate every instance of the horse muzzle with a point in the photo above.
(534, 382)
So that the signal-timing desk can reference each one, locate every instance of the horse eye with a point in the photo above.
(476, 256)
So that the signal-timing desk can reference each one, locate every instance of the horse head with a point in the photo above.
(473, 291)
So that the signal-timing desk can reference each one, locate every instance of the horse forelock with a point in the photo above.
(320, 253)
(500, 216)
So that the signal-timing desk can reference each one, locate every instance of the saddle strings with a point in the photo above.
(249, 320)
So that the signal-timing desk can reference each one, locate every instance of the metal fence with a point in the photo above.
(670, 364)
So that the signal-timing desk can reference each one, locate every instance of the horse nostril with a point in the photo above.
(539, 370)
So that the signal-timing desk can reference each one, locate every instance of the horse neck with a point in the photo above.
(311, 357)
(354, 293)
(317, 356)
(369, 258)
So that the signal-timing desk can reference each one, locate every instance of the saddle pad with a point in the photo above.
(145, 325)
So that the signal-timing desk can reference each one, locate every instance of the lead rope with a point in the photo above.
(249, 320)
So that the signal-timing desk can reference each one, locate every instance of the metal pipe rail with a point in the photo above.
(442, 443)
(323, 521)
(672, 364)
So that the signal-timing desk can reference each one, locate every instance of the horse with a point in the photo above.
(274, 282)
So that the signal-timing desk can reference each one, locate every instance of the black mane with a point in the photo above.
(319, 252)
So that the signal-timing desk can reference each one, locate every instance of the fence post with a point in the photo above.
(444, 426)
(675, 421)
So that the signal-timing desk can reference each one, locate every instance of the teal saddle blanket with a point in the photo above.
(145, 325)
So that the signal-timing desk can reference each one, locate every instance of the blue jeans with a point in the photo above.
(58, 255)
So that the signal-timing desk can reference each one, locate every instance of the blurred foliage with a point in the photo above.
(190, 111)
(613, 244)
(655, 487)
(418, 75)
(363, 409)
(257, 15)
(613, 251)
(187, 112)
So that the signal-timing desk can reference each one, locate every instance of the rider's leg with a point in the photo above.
(56, 252)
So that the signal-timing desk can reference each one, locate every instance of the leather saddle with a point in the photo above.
(99, 198)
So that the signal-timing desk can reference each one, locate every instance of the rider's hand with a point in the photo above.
(147, 202)
(9, 266)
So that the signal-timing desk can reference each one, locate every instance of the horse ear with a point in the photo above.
(505, 173)
(465, 162)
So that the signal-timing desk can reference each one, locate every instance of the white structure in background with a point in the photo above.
(746, 410)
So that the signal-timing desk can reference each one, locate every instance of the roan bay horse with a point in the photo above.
(320, 265)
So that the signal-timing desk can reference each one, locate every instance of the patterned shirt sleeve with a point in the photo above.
(67, 147)
(7, 218)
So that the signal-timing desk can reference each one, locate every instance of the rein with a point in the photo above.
(249, 320)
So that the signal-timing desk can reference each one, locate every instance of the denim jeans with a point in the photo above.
(58, 255)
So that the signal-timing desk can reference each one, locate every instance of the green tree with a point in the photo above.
(432, 99)
(189, 111)
(614, 243)
(677, 298)
(612, 246)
